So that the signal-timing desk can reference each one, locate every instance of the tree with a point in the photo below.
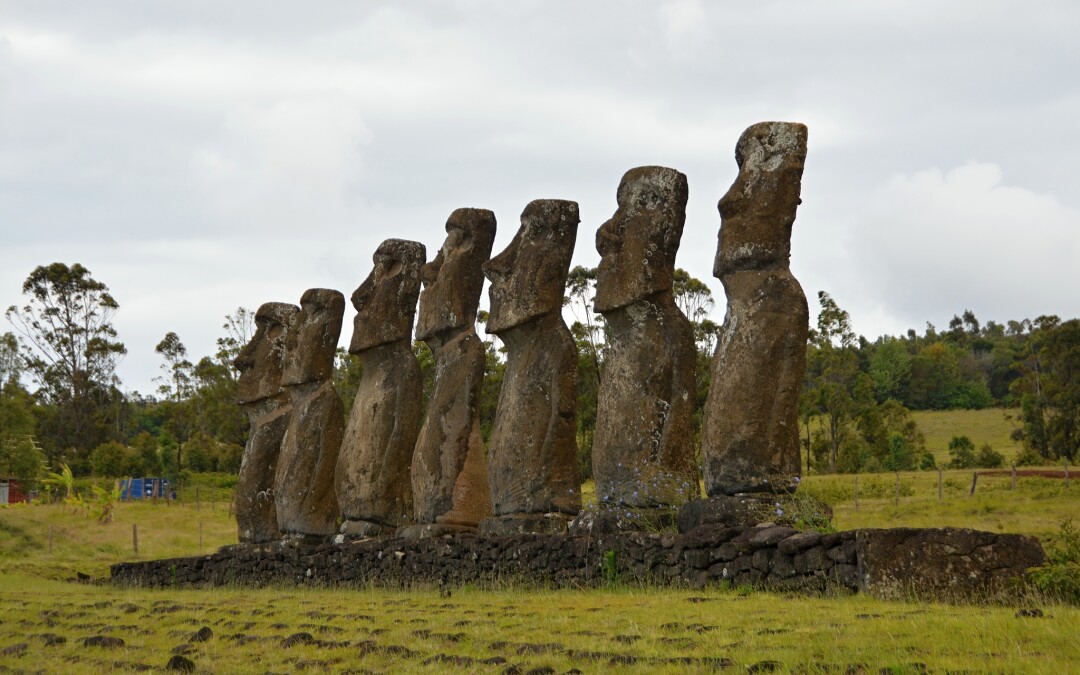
(962, 451)
(834, 373)
(1050, 389)
(176, 382)
(70, 349)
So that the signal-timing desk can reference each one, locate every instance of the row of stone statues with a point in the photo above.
(398, 467)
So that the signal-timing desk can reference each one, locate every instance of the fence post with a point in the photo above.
(1013, 476)
(856, 493)
(135, 538)
(974, 479)
(896, 498)
(939, 485)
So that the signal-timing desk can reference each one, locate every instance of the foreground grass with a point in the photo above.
(637, 630)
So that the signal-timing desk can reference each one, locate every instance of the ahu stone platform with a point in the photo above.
(945, 563)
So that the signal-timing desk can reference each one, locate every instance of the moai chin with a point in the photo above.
(449, 474)
(643, 453)
(268, 408)
(372, 477)
(304, 485)
(750, 430)
(532, 453)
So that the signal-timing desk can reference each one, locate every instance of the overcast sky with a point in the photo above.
(199, 156)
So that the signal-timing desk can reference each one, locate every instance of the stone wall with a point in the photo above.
(768, 557)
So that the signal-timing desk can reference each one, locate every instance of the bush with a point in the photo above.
(1059, 578)
(962, 451)
(1029, 457)
(927, 461)
(111, 459)
(989, 458)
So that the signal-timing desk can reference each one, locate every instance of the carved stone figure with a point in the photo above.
(643, 449)
(304, 487)
(373, 486)
(750, 430)
(532, 453)
(449, 474)
(268, 408)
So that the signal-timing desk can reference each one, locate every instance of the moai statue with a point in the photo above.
(750, 428)
(643, 447)
(373, 486)
(267, 405)
(449, 474)
(304, 486)
(532, 453)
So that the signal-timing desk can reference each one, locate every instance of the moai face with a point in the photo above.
(638, 244)
(260, 361)
(311, 341)
(759, 209)
(528, 279)
(453, 280)
(386, 302)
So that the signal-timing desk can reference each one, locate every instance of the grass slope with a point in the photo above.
(991, 425)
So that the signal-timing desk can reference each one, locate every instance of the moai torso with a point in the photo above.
(268, 408)
(643, 452)
(750, 433)
(374, 489)
(449, 474)
(532, 453)
(304, 487)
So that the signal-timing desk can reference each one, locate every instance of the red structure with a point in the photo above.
(11, 491)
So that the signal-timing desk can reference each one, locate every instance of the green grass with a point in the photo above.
(1037, 506)
(630, 629)
(991, 425)
(633, 630)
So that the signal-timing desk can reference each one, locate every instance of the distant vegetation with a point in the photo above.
(862, 408)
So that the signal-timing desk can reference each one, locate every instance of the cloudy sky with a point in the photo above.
(199, 156)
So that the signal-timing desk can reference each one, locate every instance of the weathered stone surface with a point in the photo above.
(449, 473)
(372, 476)
(532, 453)
(268, 409)
(941, 562)
(709, 555)
(750, 440)
(304, 486)
(643, 446)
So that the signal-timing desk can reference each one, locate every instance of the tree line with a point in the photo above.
(61, 401)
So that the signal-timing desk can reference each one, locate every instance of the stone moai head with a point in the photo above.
(386, 302)
(260, 361)
(313, 337)
(528, 279)
(638, 244)
(758, 210)
(453, 280)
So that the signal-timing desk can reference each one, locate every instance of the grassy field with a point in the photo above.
(631, 629)
(992, 425)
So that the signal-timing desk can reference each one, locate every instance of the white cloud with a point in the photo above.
(933, 243)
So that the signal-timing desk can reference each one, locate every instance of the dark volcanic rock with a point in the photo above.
(643, 446)
(373, 484)
(533, 454)
(180, 663)
(304, 486)
(268, 409)
(941, 562)
(449, 471)
(750, 431)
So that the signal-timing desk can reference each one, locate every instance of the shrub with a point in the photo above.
(962, 451)
(989, 458)
(1060, 576)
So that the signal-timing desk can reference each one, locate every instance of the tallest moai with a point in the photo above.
(750, 431)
